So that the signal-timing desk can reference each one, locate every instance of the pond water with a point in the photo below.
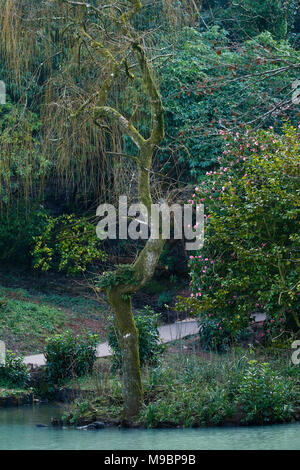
(18, 430)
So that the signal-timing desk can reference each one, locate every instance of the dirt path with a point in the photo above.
(168, 333)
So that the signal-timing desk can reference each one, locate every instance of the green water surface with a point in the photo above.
(18, 430)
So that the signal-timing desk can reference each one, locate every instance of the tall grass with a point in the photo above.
(190, 390)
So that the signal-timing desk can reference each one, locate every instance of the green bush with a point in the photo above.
(31, 236)
(263, 395)
(67, 244)
(149, 347)
(249, 261)
(14, 372)
(216, 336)
(70, 356)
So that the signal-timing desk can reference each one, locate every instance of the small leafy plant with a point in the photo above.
(264, 396)
(67, 244)
(14, 372)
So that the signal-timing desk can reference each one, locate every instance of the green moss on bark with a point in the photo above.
(128, 337)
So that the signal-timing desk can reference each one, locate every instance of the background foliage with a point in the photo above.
(149, 345)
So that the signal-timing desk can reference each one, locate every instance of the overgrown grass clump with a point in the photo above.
(195, 391)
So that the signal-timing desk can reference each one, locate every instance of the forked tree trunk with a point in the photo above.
(119, 296)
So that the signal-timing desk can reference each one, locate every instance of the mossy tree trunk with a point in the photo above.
(120, 299)
(128, 340)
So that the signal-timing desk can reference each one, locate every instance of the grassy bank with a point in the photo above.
(28, 317)
(193, 390)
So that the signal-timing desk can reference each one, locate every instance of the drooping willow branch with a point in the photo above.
(146, 262)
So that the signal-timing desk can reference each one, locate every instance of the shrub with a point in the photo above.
(263, 395)
(249, 259)
(67, 244)
(14, 372)
(70, 356)
(216, 336)
(149, 347)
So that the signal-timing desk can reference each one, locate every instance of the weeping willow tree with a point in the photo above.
(47, 72)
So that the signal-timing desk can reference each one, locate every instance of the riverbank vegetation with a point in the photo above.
(237, 388)
(186, 383)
